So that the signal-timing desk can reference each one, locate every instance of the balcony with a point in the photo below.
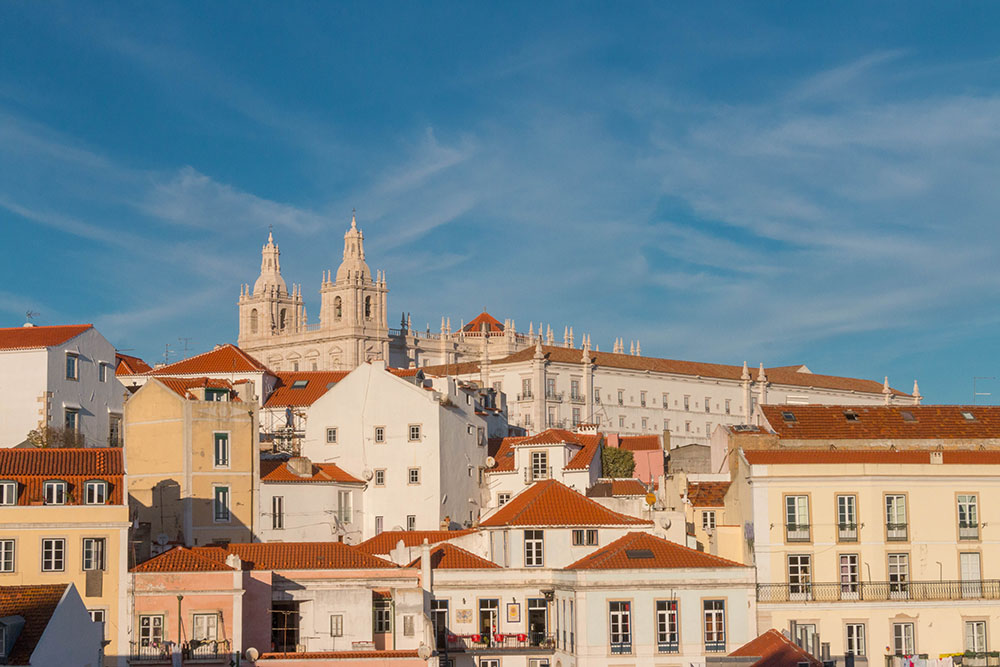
(968, 531)
(206, 651)
(880, 591)
(577, 398)
(895, 532)
(847, 532)
(621, 648)
(535, 642)
(668, 646)
(717, 646)
(556, 396)
(536, 475)
(525, 396)
(191, 652)
(151, 652)
(796, 532)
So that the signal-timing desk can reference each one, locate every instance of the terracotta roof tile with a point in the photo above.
(386, 541)
(405, 372)
(317, 383)
(27, 338)
(30, 468)
(183, 386)
(881, 422)
(275, 471)
(449, 557)
(504, 456)
(126, 364)
(342, 655)
(223, 359)
(35, 604)
(182, 559)
(775, 650)
(551, 503)
(475, 325)
(640, 443)
(590, 444)
(707, 494)
(643, 551)
(297, 556)
(849, 456)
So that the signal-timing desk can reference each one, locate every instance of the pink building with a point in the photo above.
(647, 450)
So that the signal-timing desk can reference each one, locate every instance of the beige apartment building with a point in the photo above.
(192, 447)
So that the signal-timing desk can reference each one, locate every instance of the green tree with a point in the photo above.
(616, 462)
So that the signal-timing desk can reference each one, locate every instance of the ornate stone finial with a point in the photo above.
(409, 323)
(442, 324)
(746, 372)
(631, 347)
(886, 391)
(916, 393)
(270, 234)
(531, 330)
(572, 343)
(761, 375)
(539, 354)
(597, 348)
(354, 218)
(565, 336)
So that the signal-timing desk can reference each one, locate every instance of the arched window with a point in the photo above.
(337, 308)
(281, 319)
(253, 321)
(368, 307)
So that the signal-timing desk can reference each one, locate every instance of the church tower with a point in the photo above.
(269, 310)
(353, 308)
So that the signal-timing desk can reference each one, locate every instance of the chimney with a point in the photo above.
(426, 574)
(613, 440)
(300, 465)
(937, 458)
(245, 392)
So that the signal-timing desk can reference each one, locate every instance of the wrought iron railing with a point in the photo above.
(985, 589)
(672, 646)
(533, 641)
(554, 396)
(525, 396)
(577, 398)
(206, 650)
(895, 532)
(150, 651)
(715, 646)
(621, 648)
(968, 531)
(796, 532)
(847, 532)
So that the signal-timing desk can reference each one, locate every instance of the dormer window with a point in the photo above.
(8, 492)
(96, 492)
(55, 492)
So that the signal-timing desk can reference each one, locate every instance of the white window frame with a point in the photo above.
(797, 528)
(53, 554)
(708, 520)
(379, 473)
(277, 512)
(95, 492)
(336, 625)
(904, 641)
(539, 465)
(413, 476)
(413, 432)
(8, 492)
(800, 571)
(99, 616)
(210, 627)
(151, 630)
(667, 626)
(856, 634)
(968, 516)
(55, 492)
(221, 496)
(714, 623)
(503, 499)
(95, 551)
(534, 548)
(977, 638)
(345, 502)
(8, 552)
(75, 412)
(895, 509)
(411, 521)
(379, 435)
(75, 366)
(620, 626)
(331, 435)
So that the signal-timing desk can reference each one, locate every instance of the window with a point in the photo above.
(597, 394)
(645, 423)
(150, 630)
(336, 625)
(411, 522)
(975, 636)
(687, 427)
(71, 419)
(895, 518)
(382, 612)
(708, 404)
(902, 639)
(797, 518)
(687, 402)
(728, 405)
(72, 366)
(338, 307)
(621, 397)
(539, 465)
(55, 492)
(6, 555)
(715, 625)
(53, 555)
(907, 416)
(379, 521)
(380, 434)
(620, 613)
(666, 400)
(380, 478)
(277, 512)
(206, 627)
(413, 475)
(93, 553)
(708, 428)
(439, 621)
(642, 398)
(502, 499)
(708, 520)
(344, 508)
(98, 616)
(217, 395)
(221, 504)
(221, 450)
(899, 575)
(8, 493)
(847, 518)
(968, 416)
(667, 635)
(331, 436)
(621, 421)
(968, 517)
(550, 388)
(114, 430)
(805, 636)
(585, 537)
(849, 576)
(534, 548)
(799, 576)
(574, 389)
(525, 388)
(414, 432)
(855, 639)
(102, 372)
(576, 416)
(970, 569)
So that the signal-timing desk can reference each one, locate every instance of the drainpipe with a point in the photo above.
(180, 623)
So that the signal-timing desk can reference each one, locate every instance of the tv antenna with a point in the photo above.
(30, 315)
(185, 340)
(976, 394)
(166, 353)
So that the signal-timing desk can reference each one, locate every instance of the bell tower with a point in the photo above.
(353, 309)
(269, 310)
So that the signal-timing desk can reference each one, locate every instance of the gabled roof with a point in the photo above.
(775, 650)
(849, 456)
(590, 444)
(882, 422)
(386, 541)
(475, 325)
(181, 559)
(223, 359)
(275, 471)
(296, 556)
(183, 386)
(35, 604)
(27, 338)
(643, 551)
(449, 557)
(640, 443)
(707, 494)
(289, 390)
(31, 467)
(504, 455)
(126, 364)
(551, 503)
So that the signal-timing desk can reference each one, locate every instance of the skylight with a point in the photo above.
(907, 416)
(300, 384)
(788, 416)
(969, 416)
(638, 554)
(852, 416)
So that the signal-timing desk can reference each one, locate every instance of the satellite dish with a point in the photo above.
(397, 529)
(666, 524)
(162, 539)
(252, 654)
(490, 462)
(424, 651)
(368, 474)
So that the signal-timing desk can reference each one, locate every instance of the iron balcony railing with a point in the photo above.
(532, 475)
(671, 646)
(621, 648)
(968, 531)
(849, 591)
(577, 398)
(206, 650)
(847, 532)
(150, 651)
(525, 396)
(715, 646)
(554, 396)
(895, 532)
(532, 641)
(796, 532)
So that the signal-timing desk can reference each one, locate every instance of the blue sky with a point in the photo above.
(778, 182)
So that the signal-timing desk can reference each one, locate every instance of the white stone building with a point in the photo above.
(59, 377)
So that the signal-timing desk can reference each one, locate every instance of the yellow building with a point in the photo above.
(192, 447)
(63, 519)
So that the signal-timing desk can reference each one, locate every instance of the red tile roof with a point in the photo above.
(223, 359)
(297, 556)
(551, 503)
(75, 466)
(342, 655)
(590, 444)
(504, 456)
(35, 604)
(27, 338)
(707, 494)
(475, 325)
(848, 456)
(129, 365)
(181, 559)
(386, 541)
(405, 372)
(183, 386)
(640, 443)
(881, 422)
(285, 392)
(775, 650)
(653, 553)
(449, 557)
(279, 472)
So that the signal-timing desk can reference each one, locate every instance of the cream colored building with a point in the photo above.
(192, 447)
(63, 519)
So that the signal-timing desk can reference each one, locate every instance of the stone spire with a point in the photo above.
(916, 394)
(746, 372)
(761, 375)
(886, 392)
(353, 264)
(539, 354)
(638, 349)
(631, 347)
(270, 269)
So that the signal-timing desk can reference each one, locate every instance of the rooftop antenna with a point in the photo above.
(184, 340)
(166, 353)
(30, 315)
(976, 394)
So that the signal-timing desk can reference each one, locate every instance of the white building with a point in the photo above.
(420, 445)
(59, 377)
(48, 624)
